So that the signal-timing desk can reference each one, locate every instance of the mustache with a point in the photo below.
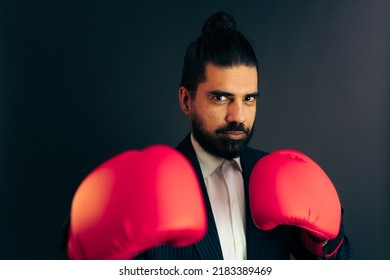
(233, 126)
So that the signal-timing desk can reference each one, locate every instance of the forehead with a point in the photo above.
(235, 79)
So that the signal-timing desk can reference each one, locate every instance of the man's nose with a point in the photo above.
(236, 112)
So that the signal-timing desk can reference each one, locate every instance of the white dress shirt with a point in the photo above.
(225, 188)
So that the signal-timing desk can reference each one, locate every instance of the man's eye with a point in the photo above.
(219, 98)
(250, 98)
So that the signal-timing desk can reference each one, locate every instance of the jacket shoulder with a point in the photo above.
(250, 155)
(255, 153)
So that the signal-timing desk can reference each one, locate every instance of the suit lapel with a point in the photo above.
(255, 239)
(209, 247)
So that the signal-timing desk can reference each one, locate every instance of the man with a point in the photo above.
(218, 93)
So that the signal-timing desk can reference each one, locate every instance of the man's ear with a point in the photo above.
(185, 100)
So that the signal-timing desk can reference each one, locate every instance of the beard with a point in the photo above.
(217, 143)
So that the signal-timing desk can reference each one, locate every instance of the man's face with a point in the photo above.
(222, 111)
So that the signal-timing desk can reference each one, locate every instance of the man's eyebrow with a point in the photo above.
(227, 94)
(254, 94)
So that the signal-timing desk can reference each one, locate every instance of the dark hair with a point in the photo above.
(221, 44)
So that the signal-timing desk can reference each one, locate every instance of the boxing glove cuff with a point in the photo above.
(324, 248)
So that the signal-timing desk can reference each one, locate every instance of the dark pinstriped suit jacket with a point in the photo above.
(280, 243)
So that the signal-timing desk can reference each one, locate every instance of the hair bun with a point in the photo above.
(218, 21)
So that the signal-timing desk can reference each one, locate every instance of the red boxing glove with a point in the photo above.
(135, 201)
(288, 188)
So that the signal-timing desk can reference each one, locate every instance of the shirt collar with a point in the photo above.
(208, 163)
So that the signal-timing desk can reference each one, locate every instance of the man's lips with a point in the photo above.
(235, 134)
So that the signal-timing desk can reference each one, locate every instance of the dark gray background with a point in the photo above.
(81, 81)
